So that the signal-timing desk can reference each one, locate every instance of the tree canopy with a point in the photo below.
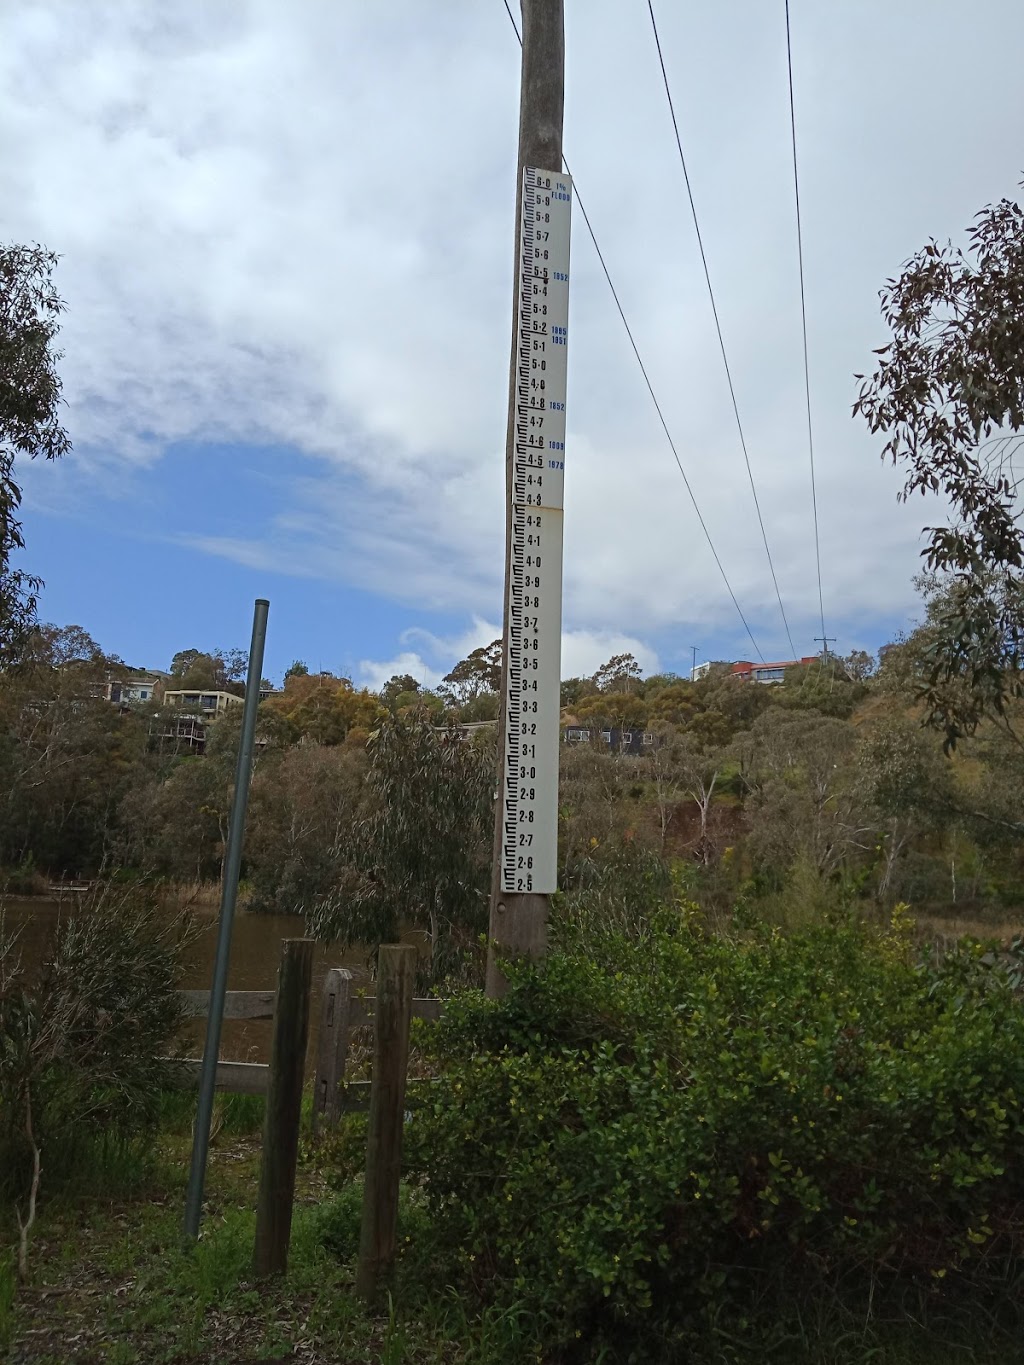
(30, 398)
(479, 672)
(948, 392)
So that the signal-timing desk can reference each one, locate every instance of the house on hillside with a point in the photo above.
(180, 735)
(618, 741)
(769, 673)
(134, 689)
(203, 704)
(751, 672)
(187, 714)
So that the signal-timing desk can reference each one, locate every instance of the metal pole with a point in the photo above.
(228, 898)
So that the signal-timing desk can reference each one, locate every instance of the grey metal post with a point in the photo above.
(228, 898)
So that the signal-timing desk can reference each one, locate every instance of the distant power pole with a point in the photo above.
(693, 670)
(526, 811)
(825, 641)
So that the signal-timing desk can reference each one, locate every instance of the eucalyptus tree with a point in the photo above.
(948, 393)
(30, 399)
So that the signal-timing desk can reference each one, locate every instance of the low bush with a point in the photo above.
(80, 1072)
(662, 1135)
(337, 1222)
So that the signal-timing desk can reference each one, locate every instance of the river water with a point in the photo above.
(255, 954)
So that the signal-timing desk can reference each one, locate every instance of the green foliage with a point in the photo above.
(790, 776)
(825, 688)
(399, 690)
(423, 850)
(30, 399)
(305, 807)
(801, 801)
(8, 1282)
(951, 376)
(573, 690)
(620, 674)
(479, 673)
(673, 704)
(66, 756)
(658, 1125)
(337, 1222)
(321, 709)
(80, 1045)
(946, 392)
(623, 888)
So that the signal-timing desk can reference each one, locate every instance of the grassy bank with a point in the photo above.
(663, 1144)
(111, 1282)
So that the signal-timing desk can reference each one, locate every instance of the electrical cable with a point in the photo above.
(803, 318)
(650, 389)
(718, 323)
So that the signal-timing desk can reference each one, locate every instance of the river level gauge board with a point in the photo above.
(529, 851)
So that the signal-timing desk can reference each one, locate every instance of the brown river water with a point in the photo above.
(255, 953)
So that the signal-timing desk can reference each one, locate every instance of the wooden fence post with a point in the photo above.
(284, 1108)
(331, 1047)
(396, 969)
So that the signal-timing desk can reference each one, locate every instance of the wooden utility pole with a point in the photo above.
(284, 1108)
(825, 641)
(519, 920)
(378, 1236)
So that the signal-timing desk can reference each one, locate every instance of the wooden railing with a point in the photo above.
(341, 1011)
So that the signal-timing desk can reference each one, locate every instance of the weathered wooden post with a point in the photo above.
(396, 969)
(526, 811)
(284, 1108)
(331, 1048)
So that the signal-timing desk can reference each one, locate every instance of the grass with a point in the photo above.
(112, 1281)
(113, 1284)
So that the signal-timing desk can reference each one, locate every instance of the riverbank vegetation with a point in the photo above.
(666, 1142)
(761, 1101)
(780, 796)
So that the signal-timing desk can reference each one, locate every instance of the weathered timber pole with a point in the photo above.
(519, 920)
(228, 898)
(331, 1048)
(284, 1108)
(378, 1240)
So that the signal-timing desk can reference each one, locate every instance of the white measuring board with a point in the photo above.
(529, 848)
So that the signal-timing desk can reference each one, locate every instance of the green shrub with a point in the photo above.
(337, 1222)
(80, 1047)
(652, 1128)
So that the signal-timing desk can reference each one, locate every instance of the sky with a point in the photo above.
(286, 241)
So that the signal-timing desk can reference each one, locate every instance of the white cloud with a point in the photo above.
(291, 224)
(434, 656)
(478, 633)
(584, 651)
(374, 674)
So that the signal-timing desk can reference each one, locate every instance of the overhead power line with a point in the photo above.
(650, 387)
(661, 419)
(803, 318)
(718, 323)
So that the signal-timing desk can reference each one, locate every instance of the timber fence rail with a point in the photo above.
(281, 1081)
(342, 1011)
